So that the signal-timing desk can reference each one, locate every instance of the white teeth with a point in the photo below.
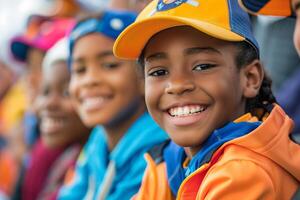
(186, 110)
(180, 111)
(193, 110)
(92, 101)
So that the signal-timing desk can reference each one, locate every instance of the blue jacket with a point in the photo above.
(118, 174)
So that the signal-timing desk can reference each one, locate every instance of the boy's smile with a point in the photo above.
(93, 101)
(186, 114)
(193, 85)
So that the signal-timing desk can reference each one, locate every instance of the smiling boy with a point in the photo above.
(196, 113)
(205, 85)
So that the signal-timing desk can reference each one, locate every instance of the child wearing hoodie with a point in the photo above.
(108, 94)
(206, 87)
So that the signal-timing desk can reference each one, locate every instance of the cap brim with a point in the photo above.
(281, 8)
(19, 48)
(133, 39)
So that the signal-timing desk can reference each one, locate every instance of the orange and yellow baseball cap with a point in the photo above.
(268, 7)
(222, 19)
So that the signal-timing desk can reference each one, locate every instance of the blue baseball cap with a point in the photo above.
(111, 24)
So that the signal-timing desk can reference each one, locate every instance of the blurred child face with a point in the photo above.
(60, 125)
(192, 84)
(296, 8)
(33, 76)
(106, 90)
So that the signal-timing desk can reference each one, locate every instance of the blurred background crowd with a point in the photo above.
(30, 28)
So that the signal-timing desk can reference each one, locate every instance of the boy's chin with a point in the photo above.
(90, 123)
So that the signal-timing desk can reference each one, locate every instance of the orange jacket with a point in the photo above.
(264, 164)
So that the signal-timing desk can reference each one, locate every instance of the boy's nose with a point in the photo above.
(52, 101)
(92, 77)
(179, 85)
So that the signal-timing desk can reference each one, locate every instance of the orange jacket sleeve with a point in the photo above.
(237, 179)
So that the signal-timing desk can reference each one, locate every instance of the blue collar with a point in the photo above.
(174, 155)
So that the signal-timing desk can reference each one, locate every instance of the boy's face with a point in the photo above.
(60, 124)
(106, 90)
(296, 8)
(192, 84)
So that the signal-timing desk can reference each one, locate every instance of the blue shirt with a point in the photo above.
(127, 158)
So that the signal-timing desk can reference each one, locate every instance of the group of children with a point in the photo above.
(205, 85)
(180, 83)
(107, 91)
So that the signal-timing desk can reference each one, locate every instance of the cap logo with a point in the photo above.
(170, 4)
(116, 24)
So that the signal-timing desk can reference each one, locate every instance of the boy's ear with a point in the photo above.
(252, 77)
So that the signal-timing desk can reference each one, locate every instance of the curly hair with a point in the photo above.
(263, 101)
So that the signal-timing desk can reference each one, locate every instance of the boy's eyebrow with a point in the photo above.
(188, 51)
(196, 50)
(156, 56)
(77, 60)
(105, 53)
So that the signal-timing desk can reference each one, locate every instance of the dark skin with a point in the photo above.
(193, 86)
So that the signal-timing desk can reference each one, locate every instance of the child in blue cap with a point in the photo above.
(205, 86)
(108, 92)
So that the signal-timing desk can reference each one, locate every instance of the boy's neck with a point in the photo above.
(116, 132)
(190, 152)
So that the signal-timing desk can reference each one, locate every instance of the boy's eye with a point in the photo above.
(78, 69)
(110, 65)
(202, 67)
(159, 72)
